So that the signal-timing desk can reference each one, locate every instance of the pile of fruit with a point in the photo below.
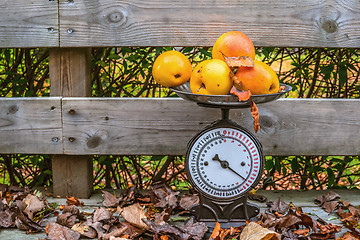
(232, 69)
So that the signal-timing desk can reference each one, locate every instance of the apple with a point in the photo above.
(260, 79)
(211, 77)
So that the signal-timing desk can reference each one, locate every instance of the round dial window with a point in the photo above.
(224, 162)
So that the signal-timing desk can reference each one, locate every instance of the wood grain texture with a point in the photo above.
(70, 71)
(30, 125)
(164, 126)
(29, 23)
(291, 23)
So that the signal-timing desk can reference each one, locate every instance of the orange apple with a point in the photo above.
(260, 79)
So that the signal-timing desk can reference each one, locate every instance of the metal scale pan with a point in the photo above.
(226, 101)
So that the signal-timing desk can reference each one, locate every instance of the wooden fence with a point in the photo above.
(71, 126)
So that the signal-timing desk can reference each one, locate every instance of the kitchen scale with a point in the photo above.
(224, 161)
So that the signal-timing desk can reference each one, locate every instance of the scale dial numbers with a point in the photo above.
(224, 162)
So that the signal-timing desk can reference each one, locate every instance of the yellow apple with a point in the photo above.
(171, 69)
(211, 77)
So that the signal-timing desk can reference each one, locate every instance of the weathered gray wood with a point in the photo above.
(308, 23)
(164, 126)
(29, 23)
(70, 75)
(30, 125)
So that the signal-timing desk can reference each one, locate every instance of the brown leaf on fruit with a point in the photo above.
(134, 214)
(236, 62)
(242, 95)
(254, 231)
(255, 115)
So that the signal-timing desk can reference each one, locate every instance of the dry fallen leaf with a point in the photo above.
(101, 214)
(187, 201)
(242, 95)
(255, 115)
(58, 232)
(348, 236)
(279, 206)
(236, 62)
(254, 231)
(134, 215)
(216, 231)
(73, 201)
(33, 205)
(84, 230)
(329, 196)
(115, 233)
(109, 200)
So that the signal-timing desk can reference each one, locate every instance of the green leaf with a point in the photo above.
(157, 158)
(342, 74)
(327, 70)
(331, 177)
(295, 166)
(269, 164)
(114, 56)
(47, 172)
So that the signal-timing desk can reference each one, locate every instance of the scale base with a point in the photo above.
(231, 213)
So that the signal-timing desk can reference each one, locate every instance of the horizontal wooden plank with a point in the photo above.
(164, 126)
(291, 23)
(29, 23)
(30, 125)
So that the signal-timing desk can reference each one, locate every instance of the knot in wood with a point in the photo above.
(329, 25)
(13, 109)
(116, 16)
(94, 141)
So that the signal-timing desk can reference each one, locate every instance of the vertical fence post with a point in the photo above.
(70, 76)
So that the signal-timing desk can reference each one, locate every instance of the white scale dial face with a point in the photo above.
(224, 163)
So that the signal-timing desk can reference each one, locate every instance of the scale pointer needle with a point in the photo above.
(225, 164)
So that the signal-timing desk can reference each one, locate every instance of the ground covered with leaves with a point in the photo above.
(162, 213)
